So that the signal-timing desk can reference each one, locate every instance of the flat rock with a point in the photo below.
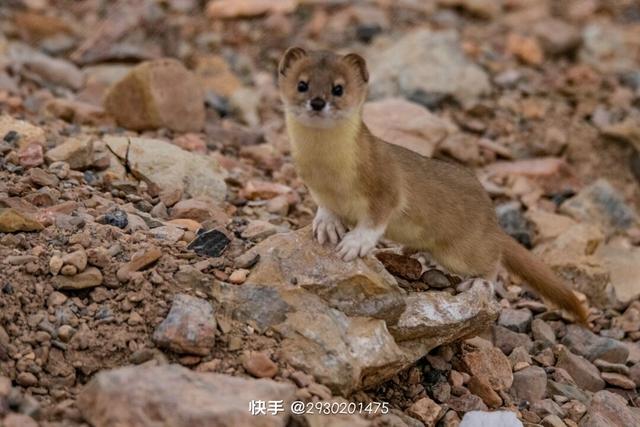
(546, 407)
(42, 178)
(557, 36)
(199, 210)
(190, 327)
(78, 152)
(490, 365)
(25, 133)
(467, 403)
(605, 366)
(360, 287)
(169, 233)
(89, 278)
(231, 9)
(506, 340)
(155, 94)
(12, 221)
(543, 333)
(553, 421)
(30, 156)
(427, 62)
(530, 384)
(263, 305)
(516, 320)
(140, 396)
(542, 168)
(432, 314)
(344, 352)
(608, 409)
(401, 265)
(482, 389)
(623, 264)
(425, 410)
(571, 256)
(54, 70)
(259, 365)
(618, 380)
(261, 190)
(167, 167)
(407, 124)
(601, 204)
(581, 370)
(258, 230)
(548, 225)
(569, 391)
(145, 259)
(591, 346)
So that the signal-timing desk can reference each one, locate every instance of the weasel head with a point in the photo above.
(321, 89)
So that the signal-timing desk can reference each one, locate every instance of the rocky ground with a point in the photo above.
(155, 259)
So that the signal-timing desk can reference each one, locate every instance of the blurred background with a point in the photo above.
(516, 78)
(540, 97)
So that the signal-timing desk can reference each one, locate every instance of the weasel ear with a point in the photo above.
(358, 61)
(290, 56)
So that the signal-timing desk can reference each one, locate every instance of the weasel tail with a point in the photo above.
(519, 261)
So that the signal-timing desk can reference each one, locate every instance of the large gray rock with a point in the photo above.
(179, 397)
(166, 167)
(358, 288)
(427, 62)
(347, 324)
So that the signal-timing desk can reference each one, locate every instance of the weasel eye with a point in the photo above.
(337, 90)
(302, 86)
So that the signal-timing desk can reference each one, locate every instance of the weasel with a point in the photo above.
(366, 188)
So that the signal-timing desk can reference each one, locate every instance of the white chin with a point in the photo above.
(316, 121)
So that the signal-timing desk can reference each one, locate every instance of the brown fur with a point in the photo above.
(424, 204)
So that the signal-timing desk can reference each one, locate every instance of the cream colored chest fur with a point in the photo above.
(326, 160)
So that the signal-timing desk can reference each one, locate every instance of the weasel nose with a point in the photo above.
(317, 104)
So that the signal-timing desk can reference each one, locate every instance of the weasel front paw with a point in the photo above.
(358, 242)
(327, 226)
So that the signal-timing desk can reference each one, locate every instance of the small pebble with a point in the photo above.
(238, 276)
